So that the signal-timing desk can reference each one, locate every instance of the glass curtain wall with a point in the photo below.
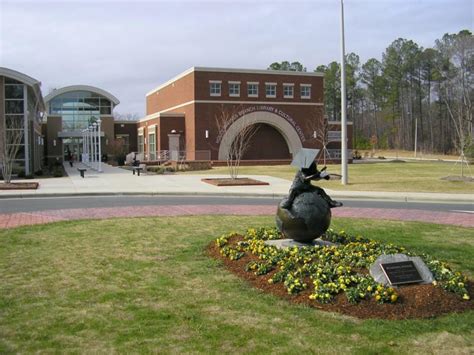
(79, 108)
(14, 120)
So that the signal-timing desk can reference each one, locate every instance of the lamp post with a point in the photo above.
(91, 139)
(99, 145)
(83, 155)
(344, 179)
(84, 137)
(88, 139)
(94, 140)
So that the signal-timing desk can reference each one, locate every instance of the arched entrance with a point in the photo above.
(267, 143)
(282, 126)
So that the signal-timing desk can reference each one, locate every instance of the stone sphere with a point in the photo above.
(309, 217)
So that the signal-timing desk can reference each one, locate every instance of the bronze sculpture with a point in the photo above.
(306, 213)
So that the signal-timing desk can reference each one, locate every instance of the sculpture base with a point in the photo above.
(290, 243)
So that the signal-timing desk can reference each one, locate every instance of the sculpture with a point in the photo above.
(306, 213)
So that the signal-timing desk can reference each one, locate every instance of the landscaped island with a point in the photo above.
(336, 278)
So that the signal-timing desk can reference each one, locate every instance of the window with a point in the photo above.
(288, 91)
(270, 89)
(252, 89)
(334, 136)
(14, 91)
(141, 143)
(305, 91)
(234, 88)
(79, 108)
(152, 146)
(215, 87)
(124, 140)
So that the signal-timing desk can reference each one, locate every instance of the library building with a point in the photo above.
(201, 114)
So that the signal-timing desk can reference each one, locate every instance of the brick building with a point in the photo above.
(287, 107)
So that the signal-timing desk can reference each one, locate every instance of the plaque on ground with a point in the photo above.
(403, 272)
(376, 271)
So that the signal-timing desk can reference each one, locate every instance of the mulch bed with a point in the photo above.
(415, 301)
(19, 186)
(234, 182)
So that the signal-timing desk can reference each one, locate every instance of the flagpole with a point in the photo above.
(344, 179)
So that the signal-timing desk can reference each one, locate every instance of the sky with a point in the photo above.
(130, 47)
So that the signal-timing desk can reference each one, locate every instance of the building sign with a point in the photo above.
(265, 108)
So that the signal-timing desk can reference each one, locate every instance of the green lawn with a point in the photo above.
(108, 286)
(384, 176)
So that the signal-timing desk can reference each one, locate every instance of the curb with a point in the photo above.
(335, 194)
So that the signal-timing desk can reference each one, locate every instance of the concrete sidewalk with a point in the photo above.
(118, 181)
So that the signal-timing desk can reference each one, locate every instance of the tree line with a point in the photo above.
(412, 91)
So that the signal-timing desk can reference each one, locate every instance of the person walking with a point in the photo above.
(70, 158)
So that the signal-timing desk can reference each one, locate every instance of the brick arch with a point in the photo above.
(279, 123)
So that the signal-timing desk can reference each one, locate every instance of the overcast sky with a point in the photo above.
(130, 47)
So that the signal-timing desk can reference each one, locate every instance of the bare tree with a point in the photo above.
(456, 69)
(233, 119)
(320, 128)
(126, 116)
(11, 143)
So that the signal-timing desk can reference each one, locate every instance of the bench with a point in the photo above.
(137, 169)
(82, 170)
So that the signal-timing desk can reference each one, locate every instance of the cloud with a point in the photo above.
(130, 47)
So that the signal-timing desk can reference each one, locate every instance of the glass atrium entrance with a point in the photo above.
(73, 145)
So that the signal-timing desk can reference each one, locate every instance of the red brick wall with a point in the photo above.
(176, 93)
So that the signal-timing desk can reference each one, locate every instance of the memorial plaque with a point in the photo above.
(404, 272)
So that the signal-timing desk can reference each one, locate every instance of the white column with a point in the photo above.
(99, 146)
(344, 179)
(94, 137)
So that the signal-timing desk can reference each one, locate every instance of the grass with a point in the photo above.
(108, 286)
(411, 176)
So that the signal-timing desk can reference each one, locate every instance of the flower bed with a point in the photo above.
(336, 277)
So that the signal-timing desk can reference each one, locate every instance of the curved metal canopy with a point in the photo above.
(94, 89)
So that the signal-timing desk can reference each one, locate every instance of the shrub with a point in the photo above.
(156, 169)
(57, 171)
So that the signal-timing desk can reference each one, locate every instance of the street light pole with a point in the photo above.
(416, 134)
(344, 179)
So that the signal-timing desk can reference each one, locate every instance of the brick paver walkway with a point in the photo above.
(30, 218)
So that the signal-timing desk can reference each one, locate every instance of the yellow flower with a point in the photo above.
(466, 297)
(369, 288)
(377, 298)
(394, 298)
